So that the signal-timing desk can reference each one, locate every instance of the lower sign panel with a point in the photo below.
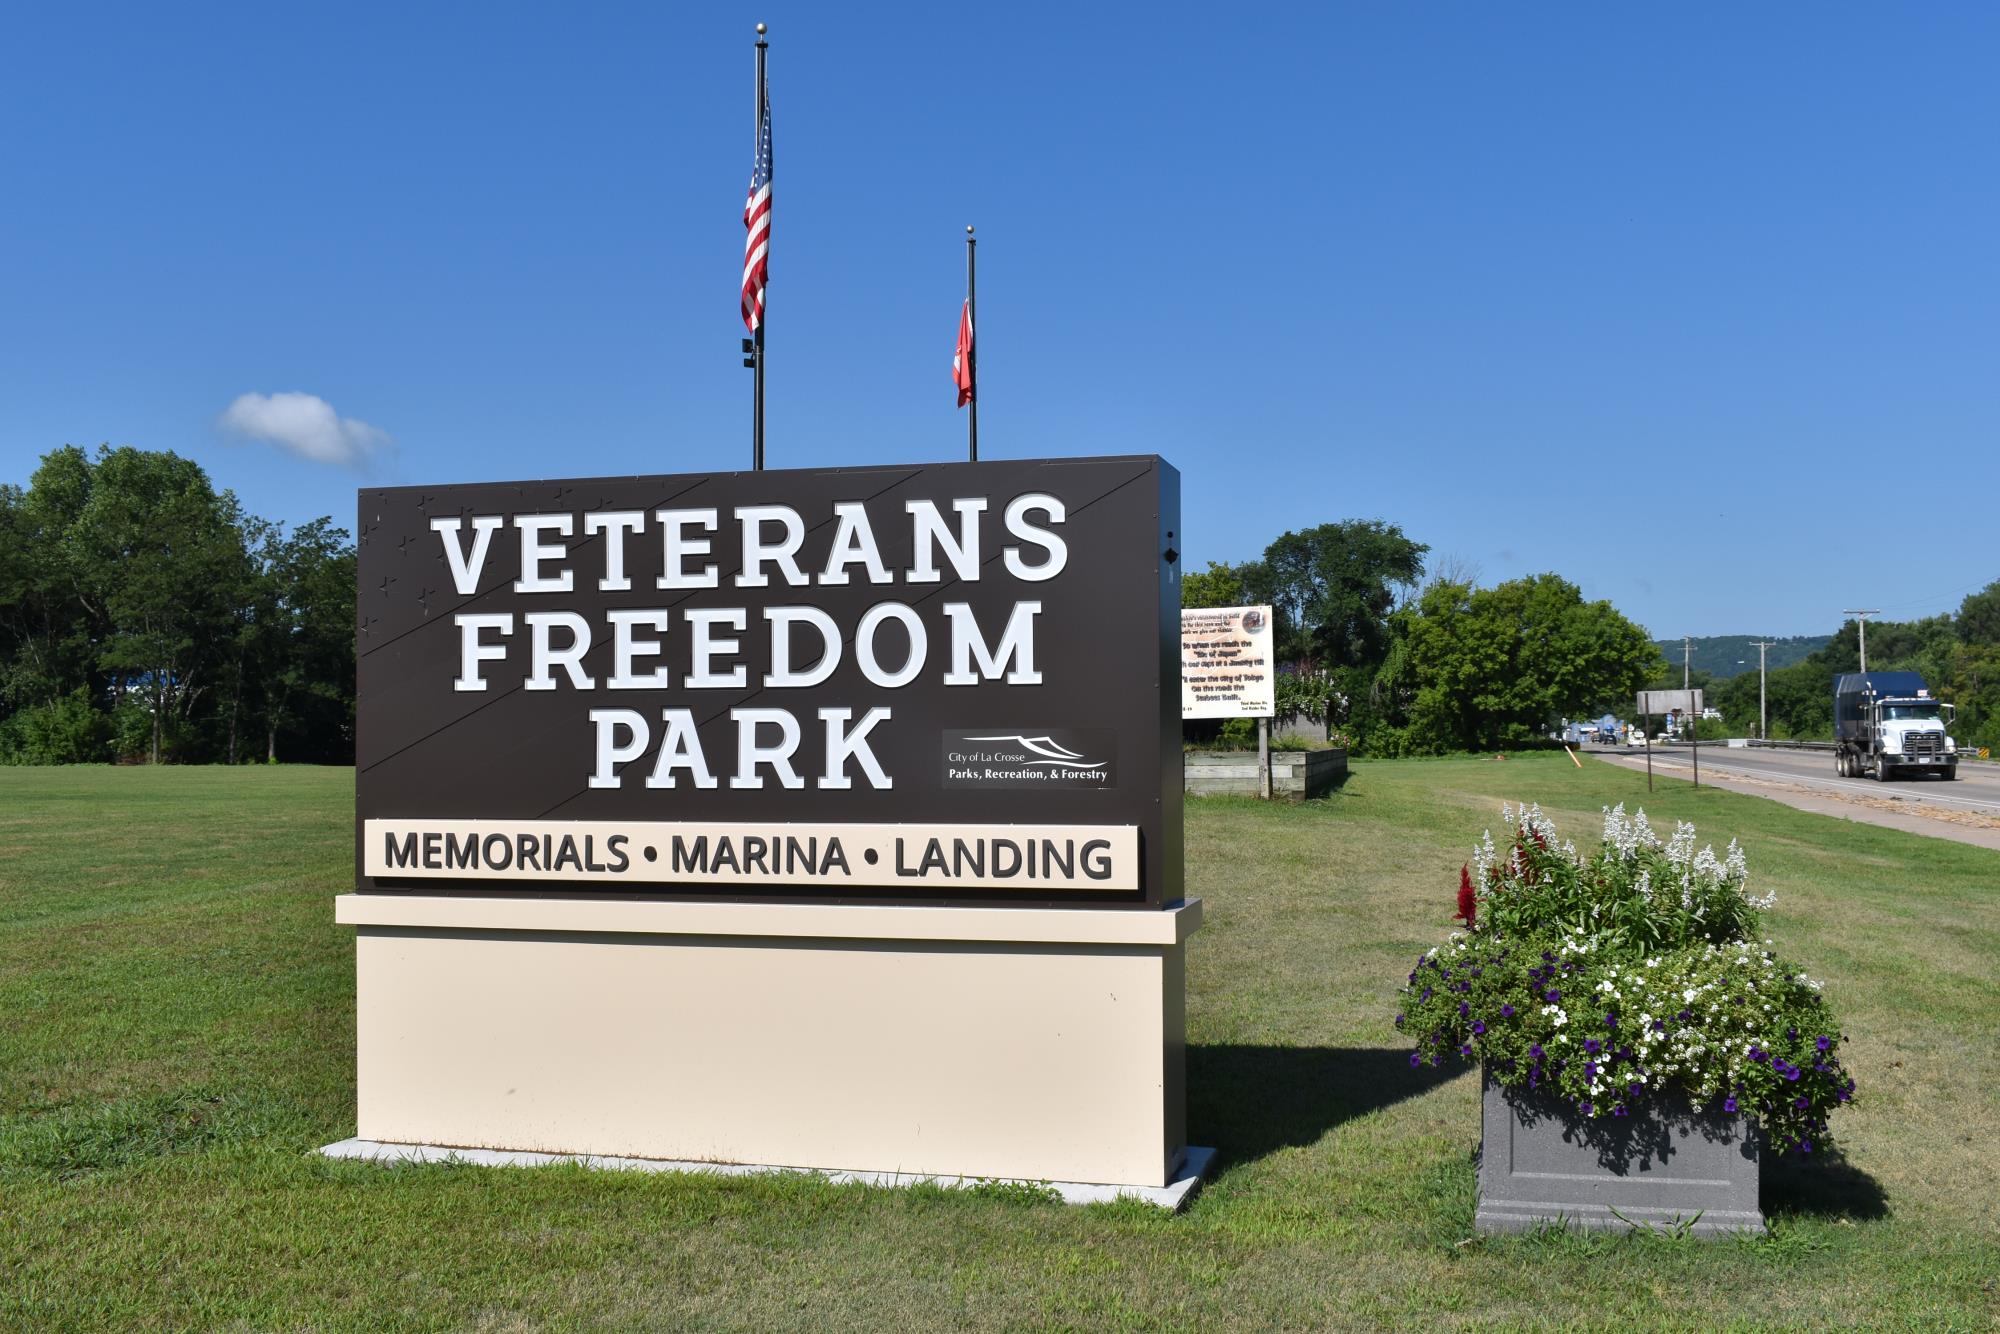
(1030, 858)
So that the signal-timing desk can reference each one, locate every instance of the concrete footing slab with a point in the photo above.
(1193, 1167)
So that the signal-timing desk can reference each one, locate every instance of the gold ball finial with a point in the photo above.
(760, 30)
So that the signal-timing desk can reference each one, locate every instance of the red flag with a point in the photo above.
(961, 361)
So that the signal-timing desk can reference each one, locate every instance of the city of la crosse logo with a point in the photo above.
(1046, 747)
(1067, 757)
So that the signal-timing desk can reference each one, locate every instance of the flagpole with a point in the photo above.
(757, 356)
(972, 352)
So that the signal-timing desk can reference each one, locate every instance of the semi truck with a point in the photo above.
(1887, 724)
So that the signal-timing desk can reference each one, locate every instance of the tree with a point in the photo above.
(1979, 616)
(1333, 588)
(135, 621)
(300, 635)
(1217, 586)
(162, 553)
(1485, 667)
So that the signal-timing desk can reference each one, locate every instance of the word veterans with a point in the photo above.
(1002, 857)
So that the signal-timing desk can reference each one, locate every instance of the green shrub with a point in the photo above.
(66, 730)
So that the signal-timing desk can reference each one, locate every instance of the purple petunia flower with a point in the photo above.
(1416, 1059)
(1792, 1073)
(1478, 1027)
(1593, 1046)
(1535, 1050)
(1426, 996)
(1463, 1009)
(1552, 996)
(1611, 1021)
(1465, 1049)
(1399, 1021)
(1729, 1104)
(1506, 1012)
(1802, 1103)
(1824, 1043)
(1590, 1069)
(1619, 1110)
(1588, 1109)
(1805, 1146)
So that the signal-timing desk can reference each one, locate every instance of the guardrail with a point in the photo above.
(1964, 756)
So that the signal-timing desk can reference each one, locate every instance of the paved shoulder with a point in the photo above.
(1967, 811)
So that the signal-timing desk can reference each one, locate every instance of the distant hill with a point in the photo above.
(1723, 656)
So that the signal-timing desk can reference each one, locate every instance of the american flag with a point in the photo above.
(757, 219)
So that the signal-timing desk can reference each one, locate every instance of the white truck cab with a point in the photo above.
(1886, 723)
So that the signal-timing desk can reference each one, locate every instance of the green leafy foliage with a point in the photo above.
(144, 615)
(1605, 979)
(1217, 586)
(1486, 667)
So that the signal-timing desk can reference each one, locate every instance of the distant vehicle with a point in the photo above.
(1886, 723)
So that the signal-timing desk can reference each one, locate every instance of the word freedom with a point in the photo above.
(801, 644)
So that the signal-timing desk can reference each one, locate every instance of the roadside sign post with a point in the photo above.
(1264, 758)
(1688, 703)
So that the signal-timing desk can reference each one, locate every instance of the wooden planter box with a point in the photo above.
(1667, 1165)
(1295, 774)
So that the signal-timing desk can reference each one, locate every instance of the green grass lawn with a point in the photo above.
(176, 1035)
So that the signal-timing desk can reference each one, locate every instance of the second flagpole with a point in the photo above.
(972, 349)
(757, 376)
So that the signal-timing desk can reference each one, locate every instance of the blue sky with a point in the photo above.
(1685, 304)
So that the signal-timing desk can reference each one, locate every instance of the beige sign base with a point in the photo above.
(1034, 1044)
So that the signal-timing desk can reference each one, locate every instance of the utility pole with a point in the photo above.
(1687, 658)
(1861, 617)
(1763, 733)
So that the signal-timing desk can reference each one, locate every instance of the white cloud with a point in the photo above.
(305, 425)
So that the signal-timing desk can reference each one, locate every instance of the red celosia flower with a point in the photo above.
(1468, 902)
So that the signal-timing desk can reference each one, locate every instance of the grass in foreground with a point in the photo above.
(176, 1033)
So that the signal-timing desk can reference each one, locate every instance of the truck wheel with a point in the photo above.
(1950, 772)
(1844, 763)
(1883, 773)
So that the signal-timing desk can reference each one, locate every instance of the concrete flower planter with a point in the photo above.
(1668, 1165)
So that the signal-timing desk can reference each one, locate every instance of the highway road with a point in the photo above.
(1976, 789)
(1967, 810)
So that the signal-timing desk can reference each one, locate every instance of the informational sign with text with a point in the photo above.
(1226, 669)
